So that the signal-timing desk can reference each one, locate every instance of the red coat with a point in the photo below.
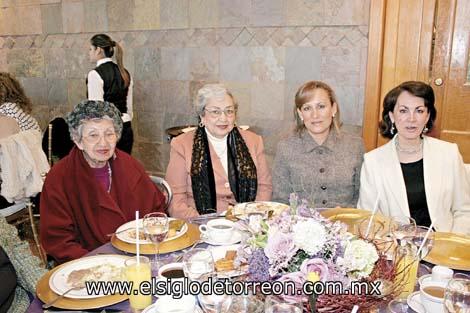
(76, 211)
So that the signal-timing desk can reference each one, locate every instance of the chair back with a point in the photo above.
(56, 142)
(164, 187)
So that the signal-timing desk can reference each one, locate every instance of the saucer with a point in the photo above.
(152, 308)
(424, 278)
(236, 238)
(412, 300)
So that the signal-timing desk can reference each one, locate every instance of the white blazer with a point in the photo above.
(445, 182)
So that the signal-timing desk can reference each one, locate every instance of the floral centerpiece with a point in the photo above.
(300, 245)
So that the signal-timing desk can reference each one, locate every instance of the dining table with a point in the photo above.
(107, 248)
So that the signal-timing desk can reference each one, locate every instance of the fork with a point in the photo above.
(50, 303)
(192, 247)
(119, 232)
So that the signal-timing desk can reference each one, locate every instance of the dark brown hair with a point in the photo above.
(11, 91)
(305, 93)
(105, 42)
(417, 89)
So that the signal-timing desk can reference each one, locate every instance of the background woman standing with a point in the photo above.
(111, 82)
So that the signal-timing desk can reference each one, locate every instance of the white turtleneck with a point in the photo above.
(220, 147)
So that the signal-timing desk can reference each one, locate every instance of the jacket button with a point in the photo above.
(227, 185)
(322, 170)
(323, 187)
(324, 201)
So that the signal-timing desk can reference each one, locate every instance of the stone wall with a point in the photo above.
(261, 49)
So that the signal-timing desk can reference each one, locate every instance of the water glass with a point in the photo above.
(274, 304)
(457, 296)
(198, 264)
(402, 226)
(402, 306)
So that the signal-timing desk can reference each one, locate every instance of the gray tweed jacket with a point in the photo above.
(326, 175)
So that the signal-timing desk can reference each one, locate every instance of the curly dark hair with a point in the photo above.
(417, 89)
(12, 91)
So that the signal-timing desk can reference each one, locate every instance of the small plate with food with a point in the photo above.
(268, 208)
(74, 274)
(225, 261)
(126, 232)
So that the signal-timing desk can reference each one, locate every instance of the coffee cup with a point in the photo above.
(168, 304)
(173, 271)
(441, 273)
(432, 296)
(219, 230)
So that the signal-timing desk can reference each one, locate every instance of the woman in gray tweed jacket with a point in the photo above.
(318, 162)
(26, 266)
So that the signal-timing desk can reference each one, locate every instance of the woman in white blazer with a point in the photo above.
(413, 174)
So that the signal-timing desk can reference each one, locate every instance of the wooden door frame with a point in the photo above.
(383, 16)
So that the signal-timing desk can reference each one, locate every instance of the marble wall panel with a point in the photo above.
(3, 60)
(302, 64)
(56, 92)
(147, 14)
(267, 100)
(78, 64)
(235, 64)
(174, 64)
(8, 16)
(203, 63)
(174, 14)
(149, 154)
(76, 91)
(26, 63)
(203, 13)
(73, 16)
(29, 19)
(267, 12)
(176, 98)
(267, 64)
(305, 12)
(51, 18)
(147, 96)
(148, 126)
(35, 89)
(347, 12)
(96, 16)
(147, 63)
(120, 15)
(56, 63)
(234, 13)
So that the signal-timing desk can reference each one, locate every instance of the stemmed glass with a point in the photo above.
(457, 296)
(402, 226)
(156, 227)
(274, 304)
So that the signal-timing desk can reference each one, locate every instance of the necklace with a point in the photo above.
(415, 150)
(110, 174)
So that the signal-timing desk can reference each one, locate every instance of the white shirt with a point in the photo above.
(96, 91)
(220, 147)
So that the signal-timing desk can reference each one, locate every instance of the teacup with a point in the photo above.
(219, 230)
(432, 296)
(441, 273)
(171, 271)
(167, 304)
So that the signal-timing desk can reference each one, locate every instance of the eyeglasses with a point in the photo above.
(95, 138)
(229, 112)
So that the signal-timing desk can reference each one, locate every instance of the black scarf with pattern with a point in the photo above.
(241, 171)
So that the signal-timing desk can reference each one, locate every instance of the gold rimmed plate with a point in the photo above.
(187, 239)
(45, 293)
(349, 216)
(451, 250)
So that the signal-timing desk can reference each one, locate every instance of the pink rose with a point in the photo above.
(316, 265)
(298, 278)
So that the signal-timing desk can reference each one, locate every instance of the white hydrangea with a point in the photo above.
(359, 259)
(309, 235)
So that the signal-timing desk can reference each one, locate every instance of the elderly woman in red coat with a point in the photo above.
(95, 188)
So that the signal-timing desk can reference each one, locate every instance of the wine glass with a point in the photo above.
(457, 296)
(402, 226)
(156, 227)
(215, 303)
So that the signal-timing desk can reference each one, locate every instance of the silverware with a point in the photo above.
(50, 303)
(192, 247)
(119, 232)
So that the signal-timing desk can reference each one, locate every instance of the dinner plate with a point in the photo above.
(45, 294)
(243, 210)
(219, 253)
(58, 280)
(184, 241)
(451, 250)
(414, 301)
(125, 230)
(236, 237)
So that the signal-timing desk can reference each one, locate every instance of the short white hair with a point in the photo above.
(209, 91)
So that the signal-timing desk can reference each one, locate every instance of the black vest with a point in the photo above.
(9, 281)
(114, 87)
